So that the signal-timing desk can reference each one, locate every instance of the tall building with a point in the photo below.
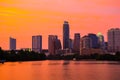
(86, 42)
(94, 39)
(114, 40)
(51, 44)
(58, 45)
(37, 43)
(71, 44)
(76, 44)
(101, 41)
(54, 44)
(65, 35)
(12, 43)
(87, 48)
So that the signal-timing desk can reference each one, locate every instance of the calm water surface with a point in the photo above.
(60, 70)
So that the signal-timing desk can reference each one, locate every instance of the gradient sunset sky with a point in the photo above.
(22, 19)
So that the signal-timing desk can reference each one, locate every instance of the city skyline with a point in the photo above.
(37, 18)
(97, 35)
(59, 39)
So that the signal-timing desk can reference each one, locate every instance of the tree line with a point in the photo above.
(34, 56)
(21, 55)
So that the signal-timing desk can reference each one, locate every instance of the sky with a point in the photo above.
(22, 19)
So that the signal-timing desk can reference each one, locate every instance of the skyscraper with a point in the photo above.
(51, 44)
(12, 43)
(54, 44)
(87, 47)
(94, 39)
(76, 44)
(71, 44)
(101, 41)
(58, 44)
(37, 43)
(86, 42)
(114, 40)
(65, 35)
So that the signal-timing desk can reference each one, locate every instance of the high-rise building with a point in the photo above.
(114, 40)
(94, 39)
(54, 44)
(51, 44)
(58, 44)
(86, 42)
(76, 44)
(37, 43)
(65, 35)
(12, 43)
(70, 44)
(101, 41)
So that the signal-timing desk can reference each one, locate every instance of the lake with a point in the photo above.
(60, 70)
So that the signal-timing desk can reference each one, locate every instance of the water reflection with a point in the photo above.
(54, 63)
(60, 70)
(66, 62)
(77, 62)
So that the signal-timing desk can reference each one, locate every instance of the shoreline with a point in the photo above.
(62, 60)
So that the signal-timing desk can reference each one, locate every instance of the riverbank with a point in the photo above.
(21, 55)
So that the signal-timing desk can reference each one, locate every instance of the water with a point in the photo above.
(60, 70)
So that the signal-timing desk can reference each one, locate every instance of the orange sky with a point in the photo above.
(23, 18)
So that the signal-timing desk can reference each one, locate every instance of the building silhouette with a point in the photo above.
(94, 39)
(114, 40)
(37, 43)
(58, 45)
(54, 44)
(76, 43)
(65, 35)
(12, 43)
(70, 44)
(101, 41)
(86, 42)
(87, 47)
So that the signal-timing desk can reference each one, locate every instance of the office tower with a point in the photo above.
(70, 50)
(101, 41)
(70, 43)
(51, 44)
(87, 48)
(76, 43)
(12, 43)
(37, 43)
(114, 40)
(86, 42)
(54, 44)
(58, 44)
(94, 39)
(65, 35)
